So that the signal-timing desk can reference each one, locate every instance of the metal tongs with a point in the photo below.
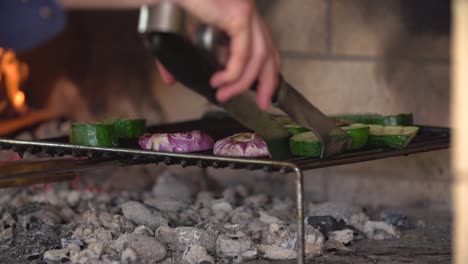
(192, 56)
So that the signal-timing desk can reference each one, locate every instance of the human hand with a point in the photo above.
(252, 53)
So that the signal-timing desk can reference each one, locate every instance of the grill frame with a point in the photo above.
(428, 139)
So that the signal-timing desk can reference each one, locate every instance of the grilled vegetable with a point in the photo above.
(294, 128)
(376, 119)
(128, 128)
(308, 145)
(177, 142)
(248, 145)
(93, 134)
(391, 136)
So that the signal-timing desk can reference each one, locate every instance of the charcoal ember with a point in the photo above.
(242, 216)
(73, 197)
(196, 254)
(39, 214)
(379, 230)
(182, 237)
(328, 224)
(117, 224)
(234, 244)
(314, 241)
(276, 252)
(85, 256)
(147, 249)
(129, 256)
(339, 240)
(55, 254)
(350, 214)
(204, 200)
(171, 185)
(257, 201)
(269, 219)
(235, 195)
(74, 249)
(255, 229)
(67, 214)
(395, 218)
(90, 234)
(282, 209)
(72, 240)
(221, 211)
(167, 205)
(278, 235)
(143, 230)
(7, 226)
(141, 214)
(189, 217)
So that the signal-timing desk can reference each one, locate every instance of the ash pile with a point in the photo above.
(173, 223)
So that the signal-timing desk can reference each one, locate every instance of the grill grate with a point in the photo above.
(428, 139)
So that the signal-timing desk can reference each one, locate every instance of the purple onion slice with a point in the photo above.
(248, 145)
(177, 142)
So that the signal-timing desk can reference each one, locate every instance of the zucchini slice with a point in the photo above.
(294, 128)
(308, 145)
(129, 128)
(376, 119)
(391, 136)
(93, 134)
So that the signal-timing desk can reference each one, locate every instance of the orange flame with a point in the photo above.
(14, 72)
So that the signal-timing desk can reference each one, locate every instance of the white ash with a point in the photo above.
(55, 254)
(275, 252)
(141, 214)
(339, 240)
(116, 227)
(170, 185)
(143, 230)
(340, 211)
(314, 241)
(278, 235)
(182, 237)
(377, 230)
(235, 245)
(196, 254)
(148, 249)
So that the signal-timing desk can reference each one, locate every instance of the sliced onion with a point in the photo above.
(177, 142)
(248, 145)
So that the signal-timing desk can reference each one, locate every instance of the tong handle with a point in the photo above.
(190, 65)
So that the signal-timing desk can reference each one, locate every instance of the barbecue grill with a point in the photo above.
(86, 158)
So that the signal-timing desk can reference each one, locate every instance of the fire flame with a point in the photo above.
(13, 73)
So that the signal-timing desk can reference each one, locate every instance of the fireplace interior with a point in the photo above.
(362, 56)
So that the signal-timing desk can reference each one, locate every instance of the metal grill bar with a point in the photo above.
(428, 139)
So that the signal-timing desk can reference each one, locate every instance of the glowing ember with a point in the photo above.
(12, 73)
(18, 100)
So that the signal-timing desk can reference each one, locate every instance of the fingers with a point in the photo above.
(165, 75)
(252, 69)
(267, 83)
(241, 38)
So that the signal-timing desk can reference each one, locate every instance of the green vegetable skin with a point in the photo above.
(129, 128)
(308, 145)
(93, 134)
(391, 136)
(376, 119)
(292, 126)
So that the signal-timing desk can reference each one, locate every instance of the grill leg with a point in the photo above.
(299, 180)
